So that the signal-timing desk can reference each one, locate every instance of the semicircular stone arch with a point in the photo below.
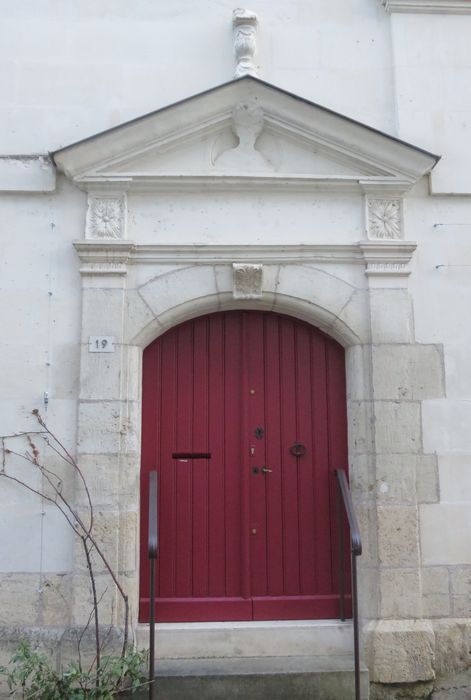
(322, 299)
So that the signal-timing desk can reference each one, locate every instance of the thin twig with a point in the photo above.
(42, 423)
(95, 609)
(4, 475)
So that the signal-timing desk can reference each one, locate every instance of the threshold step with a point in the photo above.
(261, 678)
(248, 639)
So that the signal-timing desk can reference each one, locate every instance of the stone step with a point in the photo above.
(249, 639)
(262, 678)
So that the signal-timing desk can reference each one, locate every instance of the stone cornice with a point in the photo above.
(140, 183)
(387, 258)
(460, 7)
(112, 257)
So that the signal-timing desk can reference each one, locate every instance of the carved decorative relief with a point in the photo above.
(395, 269)
(247, 125)
(105, 217)
(384, 219)
(244, 23)
(247, 281)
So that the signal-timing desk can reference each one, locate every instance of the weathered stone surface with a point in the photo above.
(400, 651)
(401, 691)
(461, 591)
(167, 291)
(19, 599)
(100, 426)
(398, 536)
(55, 597)
(427, 479)
(113, 480)
(82, 599)
(357, 370)
(399, 593)
(435, 591)
(109, 528)
(452, 644)
(102, 313)
(395, 326)
(407, 371)
(360, 427)
(456, 686)
(397, 427)
(396, 479)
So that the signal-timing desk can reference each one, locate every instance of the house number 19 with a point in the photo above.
(101, 343)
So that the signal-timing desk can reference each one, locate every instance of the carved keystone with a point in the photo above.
(247, 281)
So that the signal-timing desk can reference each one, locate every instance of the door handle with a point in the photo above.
(264, 470)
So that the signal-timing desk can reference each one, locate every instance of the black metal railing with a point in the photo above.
(345, 499)
(152, 553)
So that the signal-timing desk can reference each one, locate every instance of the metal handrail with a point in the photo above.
(345, 498)
(152, 550)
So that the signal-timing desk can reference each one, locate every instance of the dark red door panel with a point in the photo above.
(244, 418)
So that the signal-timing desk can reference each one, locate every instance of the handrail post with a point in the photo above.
(356, 631)
(152, 553)
(341, 554)
(355, 542)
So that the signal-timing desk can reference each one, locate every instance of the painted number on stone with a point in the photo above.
(101, 343)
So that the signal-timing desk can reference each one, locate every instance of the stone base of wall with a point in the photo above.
(406, 656)
(401, 691)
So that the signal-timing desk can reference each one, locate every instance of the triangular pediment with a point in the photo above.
(244, 133)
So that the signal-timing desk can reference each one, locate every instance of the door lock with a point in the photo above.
(265, 470)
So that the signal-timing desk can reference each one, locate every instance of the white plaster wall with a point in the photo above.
(432, 68)
(40, 321)
(245, 218)
(73, 69)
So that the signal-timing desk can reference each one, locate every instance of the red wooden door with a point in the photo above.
(247, 532)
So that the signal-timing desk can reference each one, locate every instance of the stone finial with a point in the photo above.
(244, 23)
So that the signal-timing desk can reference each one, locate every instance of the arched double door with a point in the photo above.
(244, 419)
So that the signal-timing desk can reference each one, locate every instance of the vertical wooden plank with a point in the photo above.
(254, 354)
(168, 514)
(217, 554)
(289, 474)
(321, 462)
(338, 450)
(245, 468)
(303, 465)
(184, 469)
(273, 451)
(233, 446)
(201, 443)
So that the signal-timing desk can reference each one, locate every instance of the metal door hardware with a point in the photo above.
(298, 449)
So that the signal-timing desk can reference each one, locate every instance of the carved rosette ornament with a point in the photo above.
(247, 281)
(384, 219)
(244, 23)
(105, 217)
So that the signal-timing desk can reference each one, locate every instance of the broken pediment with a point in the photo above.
(245, 133)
